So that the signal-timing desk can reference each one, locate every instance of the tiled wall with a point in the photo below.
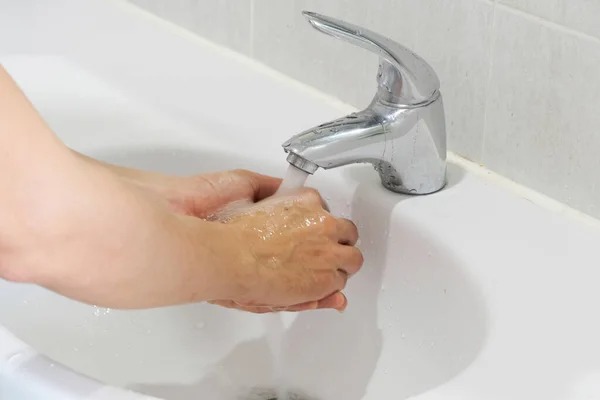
(520, 78)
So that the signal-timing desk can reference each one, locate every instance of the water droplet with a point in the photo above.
(403, 336)
(75, 349)
(52, 365)
(25, 302)
(200, 325)
(432, 344)
(148, 332)
(390, 306)
(389, 325)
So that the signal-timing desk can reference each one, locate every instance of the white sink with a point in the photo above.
(475, 292)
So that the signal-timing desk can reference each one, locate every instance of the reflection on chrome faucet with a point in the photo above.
(402, 132)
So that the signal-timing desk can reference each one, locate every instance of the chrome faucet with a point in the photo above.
(402, 132)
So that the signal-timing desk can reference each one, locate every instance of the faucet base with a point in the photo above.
(392, 186)
(392, 180)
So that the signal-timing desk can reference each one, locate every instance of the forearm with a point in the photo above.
(21, 126)
(144, 259)
(114, 245)
(71, 224)
(30, 157)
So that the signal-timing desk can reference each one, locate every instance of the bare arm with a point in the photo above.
(94, 233)
(71, 225)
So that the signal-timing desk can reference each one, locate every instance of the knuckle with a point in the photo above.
(330, 223)
(311, 195)
(353, 227)
(343, 280)
(360, 258)
(333, 260)
(241, 172)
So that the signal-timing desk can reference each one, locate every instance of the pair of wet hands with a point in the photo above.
(300, 246)
(301, 256)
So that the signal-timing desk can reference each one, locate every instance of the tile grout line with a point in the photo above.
(488, 83)
(547, 23)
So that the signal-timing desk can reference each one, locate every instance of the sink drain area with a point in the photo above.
(272, 394)
(290, 396)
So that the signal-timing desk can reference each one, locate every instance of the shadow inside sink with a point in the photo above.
(414, 320)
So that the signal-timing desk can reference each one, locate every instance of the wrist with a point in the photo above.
(223, 261)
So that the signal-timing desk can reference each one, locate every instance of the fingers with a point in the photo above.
(351, 259)
(233, 305)
(336, 301)
(347, 232)
(263, 186)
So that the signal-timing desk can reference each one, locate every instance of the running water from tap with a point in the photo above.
(294, 179)
(274, 328)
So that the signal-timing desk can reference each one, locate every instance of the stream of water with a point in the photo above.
(274, 327)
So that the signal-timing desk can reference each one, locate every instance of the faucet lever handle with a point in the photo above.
(404, 78)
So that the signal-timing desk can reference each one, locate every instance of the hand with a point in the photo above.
(296, 255)
(201, 196)
(215, 196)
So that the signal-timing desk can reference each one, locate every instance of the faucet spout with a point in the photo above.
(406, 146)
(350, 139)
(402, 133)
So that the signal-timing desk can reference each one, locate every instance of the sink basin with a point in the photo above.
(413, 288)
(481, 291)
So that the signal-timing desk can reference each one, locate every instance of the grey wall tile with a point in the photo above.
(284, 40)
(226, 22)
(581, 15)
(542, 114)
(453, 35)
